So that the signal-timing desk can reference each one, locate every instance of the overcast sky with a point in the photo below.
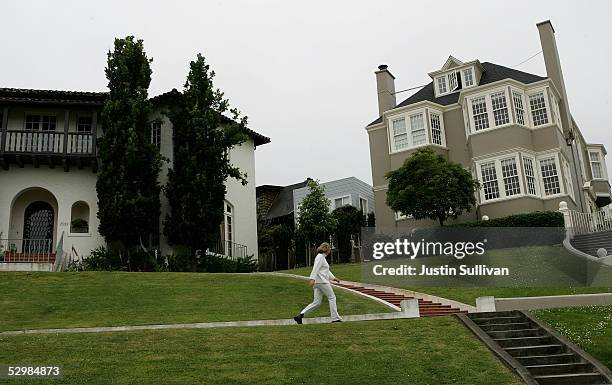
(303, 72)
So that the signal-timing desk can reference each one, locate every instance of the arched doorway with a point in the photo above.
(38, 221)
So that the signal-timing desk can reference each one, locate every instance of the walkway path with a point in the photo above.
(208, 325)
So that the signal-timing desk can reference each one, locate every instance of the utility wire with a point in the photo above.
(526, 60)
(514, 66)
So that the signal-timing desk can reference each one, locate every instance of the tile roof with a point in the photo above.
(492, 73)
(24, 95)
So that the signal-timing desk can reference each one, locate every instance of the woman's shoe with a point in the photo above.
(298, 319)
(338, 320)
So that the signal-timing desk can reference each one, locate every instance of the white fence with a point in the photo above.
(585, 223)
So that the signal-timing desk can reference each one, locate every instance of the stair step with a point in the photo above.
(518, 351)
(498, 320)
(573, 379)
(550, 369)
(523, 341)
(516, 333)
(549, 359)
(506, 326)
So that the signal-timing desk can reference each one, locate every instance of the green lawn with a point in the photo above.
(588, 327)
(85, 299)
(528, 263)
(415, 352)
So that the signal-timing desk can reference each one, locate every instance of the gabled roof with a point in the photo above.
(283, 203)
(51, 97)
(491, 73)
(168, 97)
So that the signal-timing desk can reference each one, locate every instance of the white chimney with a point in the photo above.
(385, 85)
(553, 70)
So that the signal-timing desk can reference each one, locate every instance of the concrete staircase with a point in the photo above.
(426, 308)
(589, 243)
(538, 353)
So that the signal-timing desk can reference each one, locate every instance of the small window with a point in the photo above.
(568, 179)
(79, 218)
(489, 180)
(550, 177)
(436, 129)
(343, 201)
(468, 77)
(596, 165)
(530, 176)
(442, 85)
(363, 205)
(156, 134)
(417, 129)
(452, 81)
(48, 123)
(510, 174)
(517, 97)
(479, 112)
(84, 124)
(400, 137)
(32, 122)
(500, 108)
(538, 109)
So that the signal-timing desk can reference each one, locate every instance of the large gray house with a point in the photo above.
(513, 130)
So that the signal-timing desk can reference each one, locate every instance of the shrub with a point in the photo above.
(534, 219)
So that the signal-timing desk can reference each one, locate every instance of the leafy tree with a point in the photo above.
(349, 221)
(429, 186)
(127, 186)
(203, 137)
(315, 223)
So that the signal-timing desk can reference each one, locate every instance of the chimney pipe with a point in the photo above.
(385, 85)
(553, 70)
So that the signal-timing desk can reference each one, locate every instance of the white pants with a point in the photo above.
(321, 289)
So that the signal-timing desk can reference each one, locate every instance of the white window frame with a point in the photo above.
(441, 81)
(402, 217)
(554, 156)
(535, 175)
(601, 161)
(364, 199)
(406, 116)
(342, 197)
(393, 135)
(229, 227)
(525, 107)
(501, 186)
(469, 70)
(544, 93)
(489, 112)
(156, 134)
(430, 127)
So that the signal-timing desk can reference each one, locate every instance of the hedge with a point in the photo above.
(534, 219)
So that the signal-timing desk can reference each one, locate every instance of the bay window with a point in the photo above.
(567, 177)
(550, 176)
(530, 176)
(500, 108)
(539, 113)
(479, 113)
(519, 109)
(596, 168)
(510, 176)
(488, 174)
(416, 128)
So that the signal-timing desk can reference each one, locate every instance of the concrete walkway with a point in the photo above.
(209, 325)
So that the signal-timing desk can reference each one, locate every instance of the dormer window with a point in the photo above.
(442, 85)
(452, 81)
(468, 77)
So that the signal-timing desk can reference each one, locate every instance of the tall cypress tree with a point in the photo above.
(127, 186)
(202, 138)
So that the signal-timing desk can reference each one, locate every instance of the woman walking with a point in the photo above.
(320, 281)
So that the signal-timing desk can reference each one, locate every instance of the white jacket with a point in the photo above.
(320, 270)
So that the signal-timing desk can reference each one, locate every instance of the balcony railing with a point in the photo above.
(27, 251)
(585, 223)
(48, 142)
(228, 249)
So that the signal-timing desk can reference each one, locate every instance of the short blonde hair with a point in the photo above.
(323, 247)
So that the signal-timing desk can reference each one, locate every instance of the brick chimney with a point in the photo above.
(385, 85)
(553, 70)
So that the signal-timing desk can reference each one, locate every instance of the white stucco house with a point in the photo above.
(48, 173)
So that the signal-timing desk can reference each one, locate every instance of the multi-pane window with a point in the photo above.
(596, 165)
(479, 112)
(84, 124)
(363, 205)
(48, 123)
(417, 129)
(436, 129)
(489, 180)
(342, 201)
(452, 81)
(530, 176)
(557, 113)
(32, 122)
(156, 134)
(500, 108)
(442, 85)
(38, 122)
(519, 108)
(539, 114)
(550, 176)
(510, 176)
(468, 77)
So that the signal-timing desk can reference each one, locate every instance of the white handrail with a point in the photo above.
(585, 223)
